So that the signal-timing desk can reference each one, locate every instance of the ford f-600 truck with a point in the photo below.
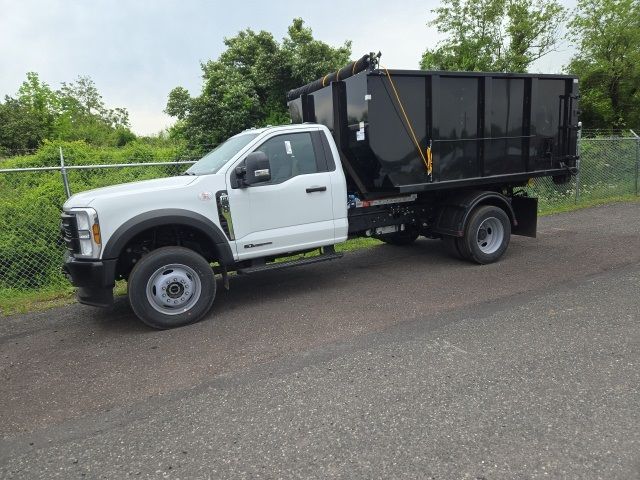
(389, 154)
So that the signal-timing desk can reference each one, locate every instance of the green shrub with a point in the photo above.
(31, 250)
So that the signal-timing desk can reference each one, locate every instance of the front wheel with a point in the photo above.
(487, 235)
(171, 287)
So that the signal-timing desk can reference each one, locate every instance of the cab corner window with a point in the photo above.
(289, 155)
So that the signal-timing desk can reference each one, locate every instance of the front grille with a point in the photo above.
(69, 231)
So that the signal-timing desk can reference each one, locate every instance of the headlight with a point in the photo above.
(89, 236)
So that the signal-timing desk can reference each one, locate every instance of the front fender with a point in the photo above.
(167, 216)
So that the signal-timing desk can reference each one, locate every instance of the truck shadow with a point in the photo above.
(249, 293)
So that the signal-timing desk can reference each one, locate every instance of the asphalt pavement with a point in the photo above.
(392, 362)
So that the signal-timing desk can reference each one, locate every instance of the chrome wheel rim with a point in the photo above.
(490, 235)
(173, 289)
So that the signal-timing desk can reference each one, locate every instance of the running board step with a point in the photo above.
(292, 263)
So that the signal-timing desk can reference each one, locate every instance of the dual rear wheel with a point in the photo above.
(486, 236)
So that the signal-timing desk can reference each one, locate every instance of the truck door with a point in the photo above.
(292, 211)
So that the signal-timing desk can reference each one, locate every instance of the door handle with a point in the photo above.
(316, 189)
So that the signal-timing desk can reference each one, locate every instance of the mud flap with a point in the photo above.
(526, 212)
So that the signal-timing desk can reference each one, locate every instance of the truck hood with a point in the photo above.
(156, 186)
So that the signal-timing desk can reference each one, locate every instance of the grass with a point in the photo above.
(348, 246)
(14, 302)
(588, 203)
(357, 244)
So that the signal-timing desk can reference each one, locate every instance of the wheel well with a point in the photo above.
(164, 236)
(500, 203)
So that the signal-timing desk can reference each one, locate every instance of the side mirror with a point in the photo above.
(257, 168)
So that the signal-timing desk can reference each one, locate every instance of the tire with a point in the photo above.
(486, 235)
(177, 275)
(405, 237)
(453, 246)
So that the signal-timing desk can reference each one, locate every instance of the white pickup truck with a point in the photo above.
(355, 163)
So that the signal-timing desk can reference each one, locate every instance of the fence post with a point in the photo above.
(578, 145)
(63, 171)
(637, 158)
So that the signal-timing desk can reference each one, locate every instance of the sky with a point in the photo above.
(136, 51)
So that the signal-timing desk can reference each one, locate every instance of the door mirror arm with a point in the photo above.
(239, 174)
(241, 171)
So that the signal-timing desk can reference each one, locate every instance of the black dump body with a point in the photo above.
(404, 131)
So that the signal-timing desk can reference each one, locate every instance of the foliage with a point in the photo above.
(30, 202)
(247, 84)
(607, 33)
(76, 111)
(29, 117)
(308, 59)
(493, 35)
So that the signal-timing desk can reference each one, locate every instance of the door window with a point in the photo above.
(290, 155)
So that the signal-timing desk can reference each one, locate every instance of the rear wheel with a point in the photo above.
(487, 235)
(171, 287)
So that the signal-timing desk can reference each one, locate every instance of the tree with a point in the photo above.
(20, 129)
(74, 112)
(258, 58)
(227, 105)
(309, 59)
(29, 117)
(493, 35)
(246, 86)
(84, 115)
(607, 33)
(179, 103)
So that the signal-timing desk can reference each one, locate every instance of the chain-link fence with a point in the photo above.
(608, 169)
(31, 200)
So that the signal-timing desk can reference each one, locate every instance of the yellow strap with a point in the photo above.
(324, 78)
(428, 164)
(353, 69)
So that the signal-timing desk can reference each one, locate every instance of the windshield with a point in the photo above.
(216, 158)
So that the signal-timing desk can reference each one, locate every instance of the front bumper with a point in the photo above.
(95, 279)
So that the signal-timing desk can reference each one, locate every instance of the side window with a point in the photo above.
(290, 155)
